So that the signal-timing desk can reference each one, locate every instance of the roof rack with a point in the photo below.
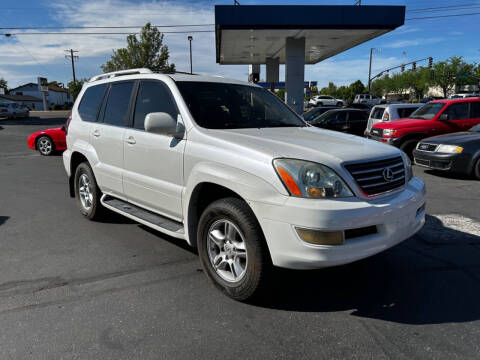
(121, 73)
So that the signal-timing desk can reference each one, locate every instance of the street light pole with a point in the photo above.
(370, 71)
(190, 38)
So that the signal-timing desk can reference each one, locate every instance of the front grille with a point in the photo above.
(377, 177)
(427, 147)
(376, 132)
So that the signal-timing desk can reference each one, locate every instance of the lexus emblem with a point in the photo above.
(388, 174)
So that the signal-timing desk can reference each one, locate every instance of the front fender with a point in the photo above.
(247, 185)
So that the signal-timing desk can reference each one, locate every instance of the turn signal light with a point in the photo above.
(289, 181)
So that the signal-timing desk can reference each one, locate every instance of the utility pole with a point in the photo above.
(73, 57)
(190, 38)
(370, 70)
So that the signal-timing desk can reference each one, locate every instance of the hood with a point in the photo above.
(400, 123)
(307, 143)
(457, 138)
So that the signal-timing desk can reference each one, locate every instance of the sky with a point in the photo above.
(25, 57)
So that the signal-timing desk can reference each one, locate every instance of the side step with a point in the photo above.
(145, 217)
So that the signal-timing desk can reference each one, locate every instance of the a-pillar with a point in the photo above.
(294, 73)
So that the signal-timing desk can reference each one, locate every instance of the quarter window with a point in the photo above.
(457, 111)
(116, 111)
(475, 110)
(153, 96)
(88, 108)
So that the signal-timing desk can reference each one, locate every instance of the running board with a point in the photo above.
(145, 217)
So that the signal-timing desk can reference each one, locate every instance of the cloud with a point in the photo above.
(405, 30)
(46, 50)
(409, 43)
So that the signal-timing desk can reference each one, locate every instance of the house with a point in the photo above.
(31, 102)
(55, 95)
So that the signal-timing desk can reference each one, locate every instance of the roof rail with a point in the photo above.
(120, 73)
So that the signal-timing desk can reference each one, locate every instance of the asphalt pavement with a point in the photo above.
(75, 289)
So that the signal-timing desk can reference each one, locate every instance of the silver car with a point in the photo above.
(12, 110)
(389, 112)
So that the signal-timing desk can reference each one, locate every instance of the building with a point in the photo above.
(56, 95)
(296, 35)
(31, 102)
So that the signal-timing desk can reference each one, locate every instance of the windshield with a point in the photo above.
(427, 111)
(231, 106)
(476, 128)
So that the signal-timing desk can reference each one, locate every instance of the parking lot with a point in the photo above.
(74, 289)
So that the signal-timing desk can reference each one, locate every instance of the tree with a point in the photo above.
(455, 71)
(3, 84)
(74, 87)
(146, 52)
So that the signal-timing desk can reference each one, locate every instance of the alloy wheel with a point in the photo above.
(85, 191)
(227, 250)
(45, 146)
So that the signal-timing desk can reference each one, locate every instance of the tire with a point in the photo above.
(45, 145)
(319, 104)
(476, 170)
(87, 193)
(408, 146)
(339, 104)
(246, 280)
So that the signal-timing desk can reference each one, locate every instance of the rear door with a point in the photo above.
(153, 170)
(106, 136)
(474, 113)
(357, 122)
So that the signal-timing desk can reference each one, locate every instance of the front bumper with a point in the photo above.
(31, 142)
(390, 141)
(397, 217)
(459, 163)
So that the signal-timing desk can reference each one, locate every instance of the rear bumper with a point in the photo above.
(459, 163)
(396, 218)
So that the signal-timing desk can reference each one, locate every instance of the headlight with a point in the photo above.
(449, 149)
(310, 180)
(389, 132)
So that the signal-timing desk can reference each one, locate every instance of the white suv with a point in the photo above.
(326, 100)
(231, 169)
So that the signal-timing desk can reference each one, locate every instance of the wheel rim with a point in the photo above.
(227, 250)
(85, 191)
(45, 146)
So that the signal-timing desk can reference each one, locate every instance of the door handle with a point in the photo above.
(130, 140)
(96, 133)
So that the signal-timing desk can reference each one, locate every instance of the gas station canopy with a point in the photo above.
(249, 34)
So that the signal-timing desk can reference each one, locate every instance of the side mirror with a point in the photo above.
(63, 128)
(163, 123)
(443, 117)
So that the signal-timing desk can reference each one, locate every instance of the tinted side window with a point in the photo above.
(378, 113)
(153, 96)
(90, 102)
(116, 111)
(341, 118)
(475, 110)
(405, 112)
(457, 111)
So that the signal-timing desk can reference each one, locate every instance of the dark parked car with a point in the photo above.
(316, 112)
(456, 152)
(361, 106)
(352, 121)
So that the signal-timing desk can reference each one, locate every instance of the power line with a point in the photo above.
(98, 27)
(441, 8)
(101, 33)
(33, 57)
(442, 16)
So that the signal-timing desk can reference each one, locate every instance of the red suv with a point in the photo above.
(434, 118)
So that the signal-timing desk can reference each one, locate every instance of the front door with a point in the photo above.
(107, 137)
(153, 170)
(458, 117)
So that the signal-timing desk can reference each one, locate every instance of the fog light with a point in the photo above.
(320, 237)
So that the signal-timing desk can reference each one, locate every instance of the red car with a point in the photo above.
(48, 141)
(434, 118)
